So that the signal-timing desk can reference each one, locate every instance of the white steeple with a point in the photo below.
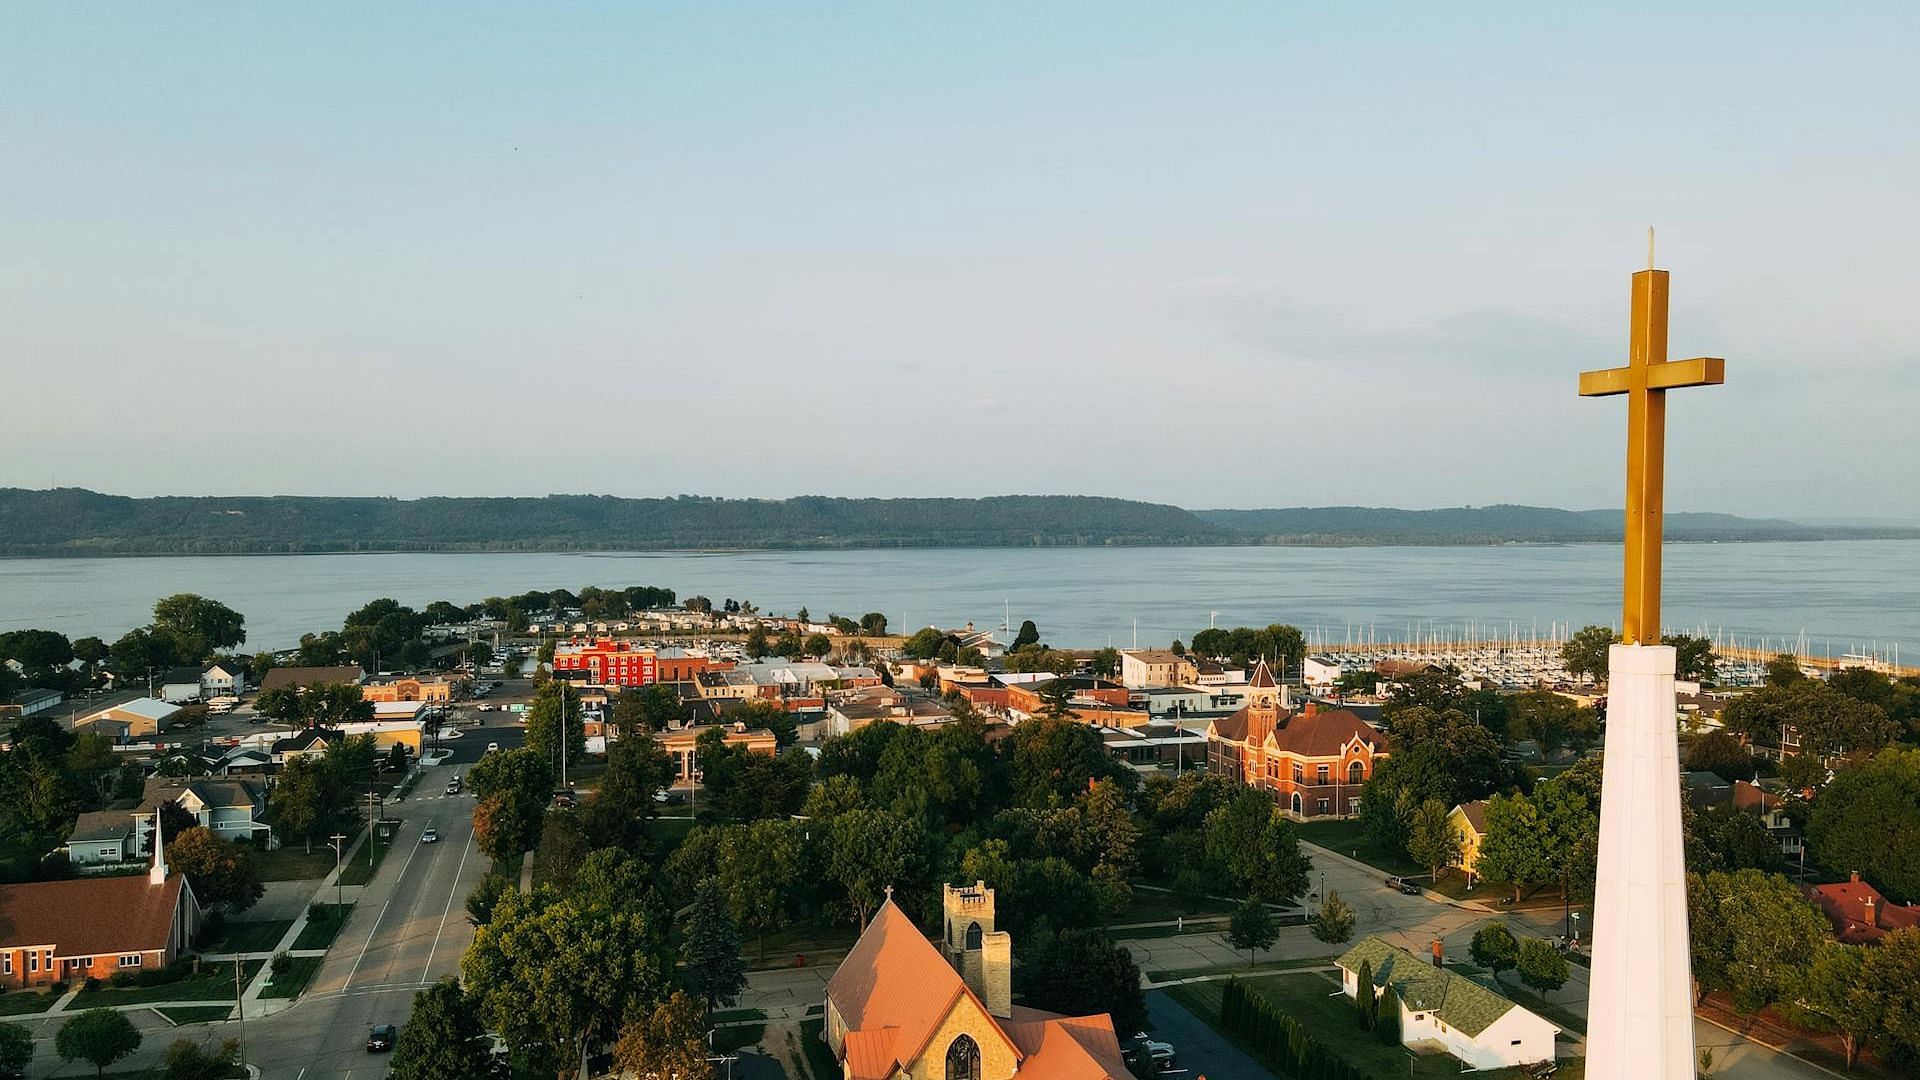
(158, 875)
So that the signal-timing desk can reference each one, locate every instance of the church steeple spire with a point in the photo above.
(158, 874)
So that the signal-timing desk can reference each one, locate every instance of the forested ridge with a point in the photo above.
(77, 522)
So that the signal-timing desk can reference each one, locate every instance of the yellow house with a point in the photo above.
(1469, 821)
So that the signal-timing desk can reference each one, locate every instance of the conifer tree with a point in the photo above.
(715, 971)
(1387, 1022)
(1363, 998)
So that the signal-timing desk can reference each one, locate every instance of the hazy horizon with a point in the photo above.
(1231, 257)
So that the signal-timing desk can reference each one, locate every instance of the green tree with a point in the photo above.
(98, 1037)
(647, 708)
(1721, 754)
(1783, 669)
(1051, 759)
(1366, 1005)
(637, 767)
(1333, 923)
(1106, 663)
(1495, 948)
(1257, 847)
(1585, 653)
(667, 1043)
(222, 872)
(1553, 721)
(281, 704)
(16, 1047)
(817, 646)
(1028, 634)
(1830, 995)
(137, 652)
(189, 1060)
(1828, 722)
(198, 626)
(513, 788)
(1752, 934)
(544, 723)
(873, 624)
(1888, 980)
(712, 966)
(1432, 840)
(1541, 965)
(1408, 777)
(555, 971)
(762, 868)
(1727, 838)
(869, 850)
(443, 1038)
(1468, 753)
(1693, 657)
(1081, 972)
(1517, 849)
(1868, 819)
(1386, 1016)
(1252, 928)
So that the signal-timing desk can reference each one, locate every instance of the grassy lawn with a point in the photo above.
(808, 941)
(668, 831)
(294, 863)
(23, 1002)
(1311, 999)
(213, 983)
(814, 1050)
(197, 1014)
(1195, 927)
(358, 872)
(1152, 905)
(253, 936)
(728, 1016)
(1349, 838)
(1243, 972)
(319, 933)
(300, 971)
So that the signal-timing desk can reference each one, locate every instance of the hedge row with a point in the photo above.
(1279, 1040)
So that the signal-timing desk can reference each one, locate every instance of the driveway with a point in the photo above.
(1203, 1052)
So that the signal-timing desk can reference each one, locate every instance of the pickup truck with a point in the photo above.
(1411, 888)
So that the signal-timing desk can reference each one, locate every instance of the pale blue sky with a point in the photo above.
(1210, 254)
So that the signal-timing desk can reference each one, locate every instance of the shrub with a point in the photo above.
(121, 979)
(92, 983)
(58, 988)
(280, 964)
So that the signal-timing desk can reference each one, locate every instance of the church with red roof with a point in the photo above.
(899, 1006)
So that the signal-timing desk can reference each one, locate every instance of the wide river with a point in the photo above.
(1842, 595)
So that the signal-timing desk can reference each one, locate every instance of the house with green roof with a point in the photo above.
(1476, 1024)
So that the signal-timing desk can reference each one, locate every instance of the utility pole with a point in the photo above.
(240, 1010)
(339, 895)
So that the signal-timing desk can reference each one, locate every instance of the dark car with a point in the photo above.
(381, 1038)
(1405, 885)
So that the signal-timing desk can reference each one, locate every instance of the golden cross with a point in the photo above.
(1645, 380)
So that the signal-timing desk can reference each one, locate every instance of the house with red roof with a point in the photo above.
(1312, 762)
(1859, 914)
(70, 931)
(899, 1006)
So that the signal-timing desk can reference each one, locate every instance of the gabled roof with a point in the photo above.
(1459, 1001)
(1324, 733)
(1262, 676)
(181, 676)
(97, 916)
(144, 707)
(311, 676)
(1476, 814)
(306, 740)
(1845, 904)
(98, 825)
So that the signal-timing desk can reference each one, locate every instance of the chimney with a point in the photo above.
(1310, 708)
(1439, 953)
(1854, 877)
(1870, 907)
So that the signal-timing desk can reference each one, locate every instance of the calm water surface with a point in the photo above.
(1841, 594)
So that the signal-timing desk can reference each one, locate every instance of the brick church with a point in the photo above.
(1312, 762)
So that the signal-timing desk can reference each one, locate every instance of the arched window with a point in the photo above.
(963, 1059)
(973, 936)
(1356, 773)
(1296, 804)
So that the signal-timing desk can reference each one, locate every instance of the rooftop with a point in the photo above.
(1459, 1001)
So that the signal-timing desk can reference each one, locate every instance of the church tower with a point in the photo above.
(1266, 703)
(982, 955)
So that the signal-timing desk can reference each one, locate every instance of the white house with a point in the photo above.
(229, 808)
(101, 838)
(180, 685)
(1320, 672)
(223, 680)
(1440, 1007)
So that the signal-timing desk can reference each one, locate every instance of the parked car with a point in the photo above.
(1161, 1053)
(563, 800)
(668, 798)
(381, 1038)
(1405, 885)
(430, 835)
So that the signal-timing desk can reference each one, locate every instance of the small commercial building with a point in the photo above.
(130, 720)
(1142, 668)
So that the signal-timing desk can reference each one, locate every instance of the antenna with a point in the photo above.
(1649, 247)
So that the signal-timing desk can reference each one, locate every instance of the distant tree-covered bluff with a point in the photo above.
(73, 522)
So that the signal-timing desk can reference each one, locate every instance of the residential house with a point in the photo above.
(1704, 789)
(727, 685)
(856, 710)
(1320, 672)
(137, 719)
(93, 927)
(1859, 914)
(180, 685)
(900, 1007)
(1142, 668)
(101, 839)
(312, 742)
(305, 677)
(230, 809)
(1470, 1021)
(1772, 810)
(1469, 822)
(1313, 763)
(223, 679)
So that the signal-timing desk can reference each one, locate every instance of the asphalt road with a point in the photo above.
(408, 929)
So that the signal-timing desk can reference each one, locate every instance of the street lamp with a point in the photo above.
(1576, 930)
(339, 897)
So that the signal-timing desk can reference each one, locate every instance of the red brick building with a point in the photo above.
(1313, 762)
(612, 662)
(91, 928)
